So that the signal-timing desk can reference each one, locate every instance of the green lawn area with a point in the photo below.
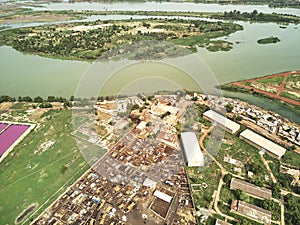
(232, 146)
(27, 178)
(211, 175)
(289, 95)
(276, 81)
(291, 158)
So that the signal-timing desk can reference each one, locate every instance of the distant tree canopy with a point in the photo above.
(5, 98)
(229, 107)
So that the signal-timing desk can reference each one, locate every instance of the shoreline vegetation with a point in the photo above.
(29, 15)
(89, 40)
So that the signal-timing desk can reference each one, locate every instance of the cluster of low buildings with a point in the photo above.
(142, 174)
(290, 132)
(271, 122)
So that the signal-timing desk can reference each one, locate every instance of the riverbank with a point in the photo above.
(28, 15)
(281, 87)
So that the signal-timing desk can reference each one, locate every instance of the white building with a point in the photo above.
(191, 149)
(222, 121)
(262, 143)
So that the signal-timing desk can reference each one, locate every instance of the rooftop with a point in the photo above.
(222, 120)
(163, 196)
(254, 212)
(192, 149)
(263, 143)
(250, 188)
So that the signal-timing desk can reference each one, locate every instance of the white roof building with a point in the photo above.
(262, 143)
(149, 183)
(163, 196)
(222, 121)
(142, 125)
(191, 149)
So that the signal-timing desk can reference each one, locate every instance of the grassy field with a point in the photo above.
(235, 148)
(27, 177)
(275, 81)
(211, 176)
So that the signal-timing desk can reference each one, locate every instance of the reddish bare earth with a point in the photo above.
(280, 87)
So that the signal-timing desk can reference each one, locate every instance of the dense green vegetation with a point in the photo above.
(256, 16)
(292, 210)
(276, 81)
(88, 41)
(211, 176)
(268, 40)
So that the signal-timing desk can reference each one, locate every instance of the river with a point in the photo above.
(163, 6)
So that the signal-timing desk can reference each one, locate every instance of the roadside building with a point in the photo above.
(252, 211)
(250, 188)
(262, 143)
(222, 121)
(191, 149)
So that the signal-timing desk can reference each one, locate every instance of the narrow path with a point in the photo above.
(223, 173)
(281, 87)
(269, 169)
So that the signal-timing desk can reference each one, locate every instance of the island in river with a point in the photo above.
(88, 40)
(268, 40)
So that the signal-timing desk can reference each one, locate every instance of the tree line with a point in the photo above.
(256, 16)
(43, 103)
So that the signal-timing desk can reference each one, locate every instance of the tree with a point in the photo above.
(67, 104)
(51, 99)
(275, 190)
(257, 168)
(27, 99)
(63, 169)
(241, 195)
(45, 105)
(38, 99)
(227, 178)
(268, 205)
(229, 108)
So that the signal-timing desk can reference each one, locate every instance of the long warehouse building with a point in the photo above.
(222, 121)
(262, 143)
(250, 188)
(191, 149)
